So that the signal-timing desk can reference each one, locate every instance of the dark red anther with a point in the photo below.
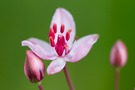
(52, 41)
(68, 35)
(62, 28)
(51, 33)
(55, 28)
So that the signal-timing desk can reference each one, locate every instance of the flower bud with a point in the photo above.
(33, 67)
(118, 55)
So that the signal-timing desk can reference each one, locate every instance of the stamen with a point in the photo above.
(55, 28)
(68, 35)
(52, 34)
(52, 41)
(62, 28)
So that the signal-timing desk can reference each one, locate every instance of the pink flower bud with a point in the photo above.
(33, 67)
(119, 54)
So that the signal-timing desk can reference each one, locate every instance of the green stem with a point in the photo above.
(117, 78)
(69, 81)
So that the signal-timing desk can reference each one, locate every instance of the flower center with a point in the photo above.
(58, 39)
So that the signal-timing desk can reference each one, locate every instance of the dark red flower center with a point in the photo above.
(59, 44)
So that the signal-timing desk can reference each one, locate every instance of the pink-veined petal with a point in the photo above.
(81, 48)
(40, 48)
(63, 17)
(56, 66)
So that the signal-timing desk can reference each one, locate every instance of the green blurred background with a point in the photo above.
(111, 19)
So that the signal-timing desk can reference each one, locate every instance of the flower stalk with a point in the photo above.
(40, 86)
(117, 79)
(69, 81)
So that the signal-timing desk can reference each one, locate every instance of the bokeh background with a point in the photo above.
(111, 19)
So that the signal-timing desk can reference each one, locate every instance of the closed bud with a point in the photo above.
(118, 55)
(33, 67)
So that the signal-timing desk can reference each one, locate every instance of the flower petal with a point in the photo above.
(81, 48)
(56, 66)
(40, 48)
(63, 17)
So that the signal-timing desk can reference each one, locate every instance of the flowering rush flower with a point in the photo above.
(63, 47)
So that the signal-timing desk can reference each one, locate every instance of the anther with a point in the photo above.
(62, 28)
(55, 28)
(68, 35)
(52, 41)
(52, 34)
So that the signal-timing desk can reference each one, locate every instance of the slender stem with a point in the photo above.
(69, 81)
(40, 86)
(117, 77)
